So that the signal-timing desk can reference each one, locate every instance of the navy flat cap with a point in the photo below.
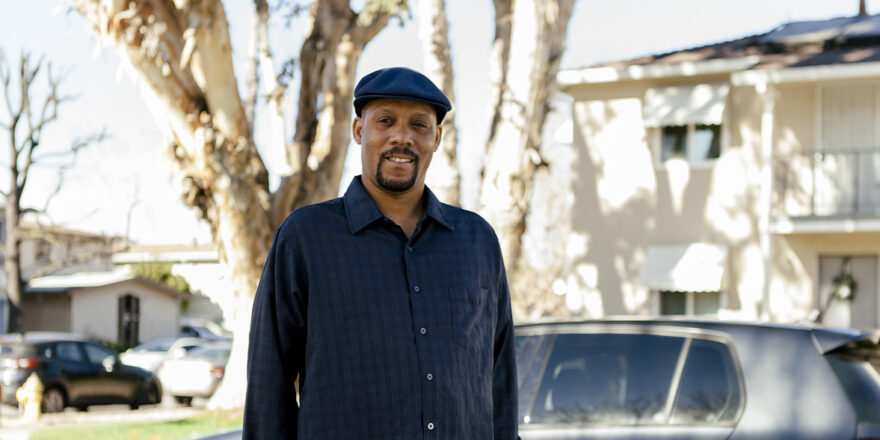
(400, 83)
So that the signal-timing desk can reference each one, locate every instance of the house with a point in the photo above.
(200, 265)
(49, 249)
(116, 306)
(737, 179)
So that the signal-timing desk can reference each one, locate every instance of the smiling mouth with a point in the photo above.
(399, 155)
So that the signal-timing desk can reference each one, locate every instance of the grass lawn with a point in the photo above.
(208, 422)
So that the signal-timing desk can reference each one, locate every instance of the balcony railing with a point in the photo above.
(839, 183)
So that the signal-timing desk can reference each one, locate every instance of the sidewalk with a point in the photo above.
(13, 428)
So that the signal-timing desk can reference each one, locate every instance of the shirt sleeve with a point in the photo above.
(277, 341)
(504, 383)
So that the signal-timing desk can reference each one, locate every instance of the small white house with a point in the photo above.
(115, 306)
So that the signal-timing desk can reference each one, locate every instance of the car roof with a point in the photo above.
(42, 336)
(826, 339)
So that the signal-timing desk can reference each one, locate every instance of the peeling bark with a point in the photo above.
(537, 29)
(443, 175)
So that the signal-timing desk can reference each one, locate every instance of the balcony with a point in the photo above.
(841, 187)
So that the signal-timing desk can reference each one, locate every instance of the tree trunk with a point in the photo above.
(11, 251)
(538, 30)
(180, 55)
(443, 175)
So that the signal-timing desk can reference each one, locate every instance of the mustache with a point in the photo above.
(400, 152)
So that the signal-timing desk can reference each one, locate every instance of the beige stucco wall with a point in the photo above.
(94, 311)
(625, 202)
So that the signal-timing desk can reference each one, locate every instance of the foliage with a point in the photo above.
(205, 423)
(161, 271)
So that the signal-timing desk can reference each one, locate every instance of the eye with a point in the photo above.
(384, 120)
(420, 124)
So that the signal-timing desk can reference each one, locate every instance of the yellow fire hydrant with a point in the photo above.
(30, 398)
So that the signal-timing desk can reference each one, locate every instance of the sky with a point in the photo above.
(129, 172)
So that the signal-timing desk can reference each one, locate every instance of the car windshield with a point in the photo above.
(155, 345)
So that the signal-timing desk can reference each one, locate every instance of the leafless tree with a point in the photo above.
(28, 115)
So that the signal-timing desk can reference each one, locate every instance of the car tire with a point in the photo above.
(53, 400)
(184, 400)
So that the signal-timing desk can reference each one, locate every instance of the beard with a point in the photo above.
(392, 185)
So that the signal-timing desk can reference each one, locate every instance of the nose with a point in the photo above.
(402, 136)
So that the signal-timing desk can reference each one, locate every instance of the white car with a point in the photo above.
(150, 354)
(196, 374)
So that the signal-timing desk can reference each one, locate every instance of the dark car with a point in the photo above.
(688, 379)
(681, 379)
(74, 371)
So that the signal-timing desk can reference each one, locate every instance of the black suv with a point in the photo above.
(74, 371)
(681, 379)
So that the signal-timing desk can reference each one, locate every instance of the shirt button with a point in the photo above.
(430, 376)
(430, 426)
(409, 248)
(416, 288)
(423, 330)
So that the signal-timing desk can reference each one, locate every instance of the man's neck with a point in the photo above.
(405, 209)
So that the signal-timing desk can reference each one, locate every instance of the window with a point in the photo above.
(68, 351)
(628, 379)
(97, 354)
(689, 303)
(693, 143)
(607, 378)
(709, 389)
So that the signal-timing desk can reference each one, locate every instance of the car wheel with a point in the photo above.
(184, 400)
(53, 400)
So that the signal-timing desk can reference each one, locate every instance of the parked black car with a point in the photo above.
(689, 379)
(74, 371)
(681, 379)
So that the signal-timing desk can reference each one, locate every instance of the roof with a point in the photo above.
(83, 280)
(196, 253)
(843, 40)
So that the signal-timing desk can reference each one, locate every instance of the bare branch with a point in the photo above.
(75, 147)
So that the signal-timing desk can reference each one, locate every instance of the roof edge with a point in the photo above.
(596, 75)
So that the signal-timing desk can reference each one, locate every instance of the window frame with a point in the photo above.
(688, 334)
(688, 302)
(655, 136)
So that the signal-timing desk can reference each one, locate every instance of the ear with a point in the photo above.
(438, 137)
(357, 129)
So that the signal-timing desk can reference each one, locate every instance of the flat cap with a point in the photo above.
(400, 83)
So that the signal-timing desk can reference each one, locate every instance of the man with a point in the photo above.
(391, 308)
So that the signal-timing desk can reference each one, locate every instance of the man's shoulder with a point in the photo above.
(315, 215)
(464, 219)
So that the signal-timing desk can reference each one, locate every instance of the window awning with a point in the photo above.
(690, 267)
(681, 105)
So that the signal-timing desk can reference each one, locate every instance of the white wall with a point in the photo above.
(94, 311)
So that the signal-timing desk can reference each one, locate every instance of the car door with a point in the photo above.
(116, 384)
(76, 374)
(626, 384)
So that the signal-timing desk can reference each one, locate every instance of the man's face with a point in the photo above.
(398, 137)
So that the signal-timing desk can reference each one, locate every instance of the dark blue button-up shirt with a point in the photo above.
(391, 337)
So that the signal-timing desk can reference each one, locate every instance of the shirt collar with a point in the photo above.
(361, 210)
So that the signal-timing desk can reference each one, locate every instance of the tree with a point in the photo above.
(179, 53)
(443, 176)
(28, 117)
(527, 76)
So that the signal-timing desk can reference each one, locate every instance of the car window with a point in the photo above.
(97, 353)
(861, 382)
(709, 391)
(68, 351)
(606, 378)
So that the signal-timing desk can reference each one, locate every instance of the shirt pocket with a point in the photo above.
(471, 317)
